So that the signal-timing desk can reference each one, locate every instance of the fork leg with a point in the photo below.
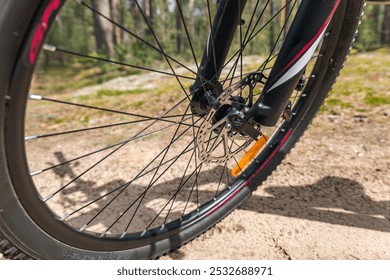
(224, 26)
(305, 34)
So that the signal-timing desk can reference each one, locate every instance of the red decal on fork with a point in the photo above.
(41, 30)
(246, 183)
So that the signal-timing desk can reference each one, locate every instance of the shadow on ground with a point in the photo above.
(332, 200)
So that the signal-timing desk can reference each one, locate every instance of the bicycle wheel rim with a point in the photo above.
(93, 241)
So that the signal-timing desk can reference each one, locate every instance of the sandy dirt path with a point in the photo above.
(330, 199)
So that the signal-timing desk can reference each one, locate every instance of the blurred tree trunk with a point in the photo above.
(191, 24)
(124, 36)
(103, 29)
(272, 25)
(118, 15)
(284, 16)
(114, 9)
(179, 31)
(251, 8)
(149, 13)
(135, 14)
(385, 34)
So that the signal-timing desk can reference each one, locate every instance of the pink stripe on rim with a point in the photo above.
(246, 183)
(41, 30)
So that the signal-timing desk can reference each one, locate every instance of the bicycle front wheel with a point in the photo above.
(103, 155)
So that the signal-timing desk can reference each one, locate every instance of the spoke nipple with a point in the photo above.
(123, 235)
(28, 138)
(228, 126)
(65, 217)
(83, 228)
(143, 233)
(103, 234)
(49, 48)
(35, 172)
(35, 97)
(47, 198)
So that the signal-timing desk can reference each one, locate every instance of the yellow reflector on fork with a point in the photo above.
(249, 156)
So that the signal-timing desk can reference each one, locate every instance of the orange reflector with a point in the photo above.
(249, 156)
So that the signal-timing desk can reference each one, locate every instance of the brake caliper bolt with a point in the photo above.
(228, 126)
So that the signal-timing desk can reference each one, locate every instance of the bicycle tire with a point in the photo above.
(28, 229)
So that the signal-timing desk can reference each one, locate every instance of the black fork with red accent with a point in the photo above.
(304, 35)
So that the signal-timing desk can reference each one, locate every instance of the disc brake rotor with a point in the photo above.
(217, 140)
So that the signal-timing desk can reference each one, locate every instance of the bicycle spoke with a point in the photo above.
(172, 198)
(143, 173)
(123, 188)
(137, 37)
(143, 194)
(136, 136)
(182, 183)
(254, 34)
(119, 63)
(211, 37)
(160, 47)
(145, 118)
(277, 39)
(152, 180)
(240, 55)
(102, 149)
(100, 127)
(243, 46)
(187, 34)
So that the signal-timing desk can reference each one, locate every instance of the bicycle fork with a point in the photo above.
(302, 39)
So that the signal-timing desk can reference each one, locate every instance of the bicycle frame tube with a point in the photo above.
(304, 36)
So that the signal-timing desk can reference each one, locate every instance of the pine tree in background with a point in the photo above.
(385, 34)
